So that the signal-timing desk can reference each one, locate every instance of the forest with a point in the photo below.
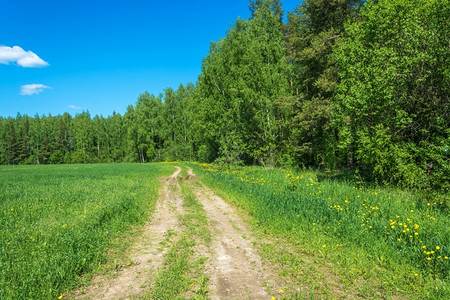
(337, 85)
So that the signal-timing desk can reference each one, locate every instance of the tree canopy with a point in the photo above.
(341, 84)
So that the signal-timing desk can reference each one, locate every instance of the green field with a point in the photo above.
(327, 236)
(57, 222)
(380, 242)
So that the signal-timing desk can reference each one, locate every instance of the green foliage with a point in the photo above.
(56, 222)
(344, 83)
(312, 31)
(241, 78)
(393, 100)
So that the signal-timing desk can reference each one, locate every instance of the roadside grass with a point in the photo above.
(182, 275)
(366, 242)
(57, 222)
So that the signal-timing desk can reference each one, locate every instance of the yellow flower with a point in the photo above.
(424, 247)
(273, 298)
(416, 274)
(445, 257)
(281, 291)
(416, 233)
(437, 247)
(428, 258)
(324, 246)
(399, 240)
(60, 297)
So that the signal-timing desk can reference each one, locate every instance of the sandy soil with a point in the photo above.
(235, 267)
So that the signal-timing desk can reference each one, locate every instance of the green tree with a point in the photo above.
(11, 142)
(393, 98)
(241, 78)
(84, 148)
(312, 31)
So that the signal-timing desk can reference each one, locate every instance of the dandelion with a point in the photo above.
(60, 297)
(273, 298)
(399, 240)
(445, 257)
(437, 247)
(324, 246)
(428, 258)
(416, 274)
(424, 247)
(281, 291)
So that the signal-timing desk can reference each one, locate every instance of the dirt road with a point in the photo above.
(233, 264)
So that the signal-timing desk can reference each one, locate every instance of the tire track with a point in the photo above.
(235, 267)
(146, 253)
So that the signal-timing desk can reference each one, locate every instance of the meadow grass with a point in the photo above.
(57, 222)
(381, 241)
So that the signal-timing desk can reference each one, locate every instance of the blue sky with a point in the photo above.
(99, 56)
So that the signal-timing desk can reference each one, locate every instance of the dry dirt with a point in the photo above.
(233, 264)
(235, 267)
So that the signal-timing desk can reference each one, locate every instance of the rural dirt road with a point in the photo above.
(233, 264)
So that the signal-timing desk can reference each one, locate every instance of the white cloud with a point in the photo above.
(16, 54)
(74, 106)
(35, 88)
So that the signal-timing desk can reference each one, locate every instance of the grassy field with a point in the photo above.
(57, 222)
(379, 242)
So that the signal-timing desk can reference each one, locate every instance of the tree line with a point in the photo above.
(340, 84)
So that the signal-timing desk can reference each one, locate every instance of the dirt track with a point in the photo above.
(233, 266)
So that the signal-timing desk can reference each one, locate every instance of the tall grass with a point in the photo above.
(393, 239)
(57, 222)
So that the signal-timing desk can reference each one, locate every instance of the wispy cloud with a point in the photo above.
(72, 106)
(26, 59)
(31, 89)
